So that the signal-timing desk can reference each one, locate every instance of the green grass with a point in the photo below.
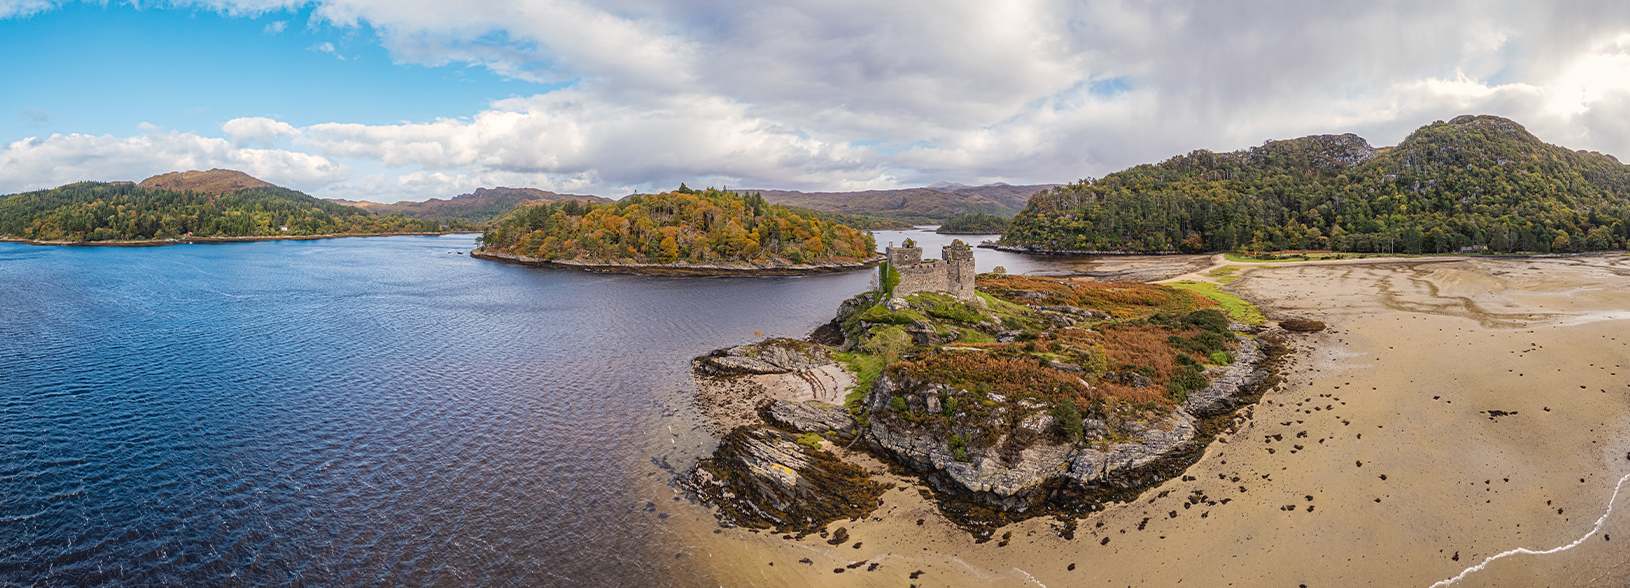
(1238, 309)
(810, 440)
(1225, 274)
(866, 368)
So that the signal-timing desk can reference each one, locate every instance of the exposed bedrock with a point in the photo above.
(762, 477)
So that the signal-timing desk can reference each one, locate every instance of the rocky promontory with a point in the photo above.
(1036, 397)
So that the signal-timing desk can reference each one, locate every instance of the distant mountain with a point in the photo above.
(916, 205)
(479, 206)
(215, 181)
(1473, 182)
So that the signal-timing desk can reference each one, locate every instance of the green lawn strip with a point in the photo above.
(1238, 309)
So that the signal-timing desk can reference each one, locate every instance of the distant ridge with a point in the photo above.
(480, 206)
(215, 181)
(928, 205)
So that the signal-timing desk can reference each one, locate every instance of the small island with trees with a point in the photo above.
(685, 231)
(973, 223)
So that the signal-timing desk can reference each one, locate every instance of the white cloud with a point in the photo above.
(37, 163)
(257, 131)
(22, 8)
(822, 94)
(276, 26)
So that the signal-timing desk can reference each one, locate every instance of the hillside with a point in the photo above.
(913, 205)
(1475, 181)
(122, 211)
(477, 207)
(681, 227)
(214, 181)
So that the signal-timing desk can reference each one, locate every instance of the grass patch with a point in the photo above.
(1226, 274)
(810, 440)
(866, 368)
(1238, 309)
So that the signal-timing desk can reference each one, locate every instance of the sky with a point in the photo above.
(389, 100)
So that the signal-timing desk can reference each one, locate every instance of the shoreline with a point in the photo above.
(220, 240)
(657, 269)
(1377, 461)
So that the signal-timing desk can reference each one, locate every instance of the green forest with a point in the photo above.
(683, 226)
(1472, 183)
(95, 211)
(973, 223)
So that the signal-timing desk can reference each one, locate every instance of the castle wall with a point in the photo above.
(952, 274)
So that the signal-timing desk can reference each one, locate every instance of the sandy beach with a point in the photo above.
(1453, 411)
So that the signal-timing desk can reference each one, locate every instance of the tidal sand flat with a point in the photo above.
(1451, 413)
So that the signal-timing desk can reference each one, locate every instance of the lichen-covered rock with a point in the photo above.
(1227, 381)
(811, 417)
(1148, 441)
(770, 356)
(760, 477)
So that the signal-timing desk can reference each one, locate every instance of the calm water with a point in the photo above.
(359, 412)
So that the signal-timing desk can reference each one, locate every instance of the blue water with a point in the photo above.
(374, 412)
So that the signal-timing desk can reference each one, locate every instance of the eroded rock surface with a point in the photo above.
(761, 477)
(811, 417)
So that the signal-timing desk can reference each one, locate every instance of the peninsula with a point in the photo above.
(1013, 396)
(712, 232)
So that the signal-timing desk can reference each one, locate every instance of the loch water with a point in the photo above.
(361, 412)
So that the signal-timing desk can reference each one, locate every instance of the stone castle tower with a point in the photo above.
(951, 274)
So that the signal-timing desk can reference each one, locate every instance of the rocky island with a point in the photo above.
(705, 232)
(1010, 396)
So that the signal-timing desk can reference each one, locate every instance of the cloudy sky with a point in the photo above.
(392, 100)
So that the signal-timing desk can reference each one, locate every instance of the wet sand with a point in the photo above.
(1453, 411)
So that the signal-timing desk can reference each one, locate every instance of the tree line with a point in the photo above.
(96, 211)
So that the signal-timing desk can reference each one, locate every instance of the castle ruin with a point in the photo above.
(951, 274)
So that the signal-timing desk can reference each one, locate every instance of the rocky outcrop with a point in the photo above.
(771, 356)
(1227, 381)
(1142, 443)
(761, 477)
(734, 384)
(811, 417)
(1012, 475)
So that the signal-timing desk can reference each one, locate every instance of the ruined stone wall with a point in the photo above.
(959, 271)
(952, 274)
(928, 276)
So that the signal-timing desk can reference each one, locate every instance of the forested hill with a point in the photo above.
(122, 211)
(681, 227)
(1472, 181)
